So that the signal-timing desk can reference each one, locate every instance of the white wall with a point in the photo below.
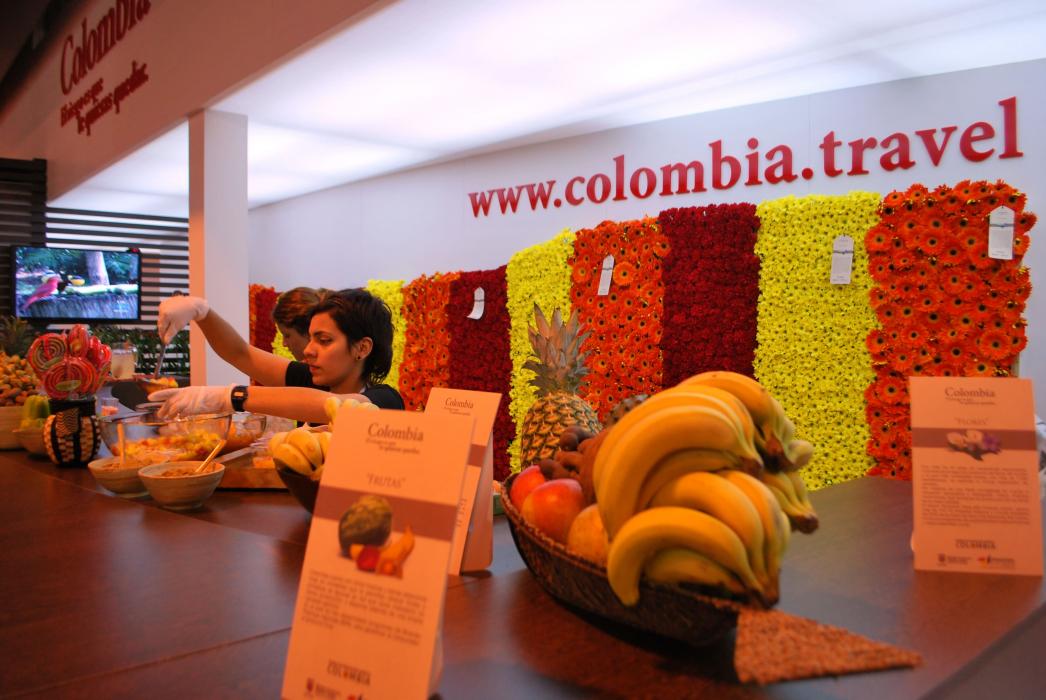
(420, 221)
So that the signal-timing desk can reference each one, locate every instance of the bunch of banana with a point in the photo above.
(674, 432)
(333, 403)
(722, 530)
(775, 433)
(301, 450)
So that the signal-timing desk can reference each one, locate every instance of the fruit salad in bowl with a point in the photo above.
(148, 439)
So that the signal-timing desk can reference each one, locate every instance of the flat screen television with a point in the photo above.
(65, 285)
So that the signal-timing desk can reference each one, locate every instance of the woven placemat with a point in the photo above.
(774, 646)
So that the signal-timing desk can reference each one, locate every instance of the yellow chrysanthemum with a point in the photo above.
(811, 351)
(391, 292)
(278, 348)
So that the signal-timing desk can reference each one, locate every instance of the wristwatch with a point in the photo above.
(238, 396)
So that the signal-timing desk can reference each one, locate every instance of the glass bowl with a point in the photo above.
(151, 440)
(245, 429)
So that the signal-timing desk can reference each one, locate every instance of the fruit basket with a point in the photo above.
(678, 612)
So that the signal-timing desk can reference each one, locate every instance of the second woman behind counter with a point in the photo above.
(349, 351)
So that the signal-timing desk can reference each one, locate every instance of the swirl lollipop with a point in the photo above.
(46, 352)
(77, 340)
(72, 376)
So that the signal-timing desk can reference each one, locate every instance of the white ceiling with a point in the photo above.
(422, 81)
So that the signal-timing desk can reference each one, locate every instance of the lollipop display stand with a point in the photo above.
(71, 433)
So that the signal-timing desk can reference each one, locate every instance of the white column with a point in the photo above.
(218, 234)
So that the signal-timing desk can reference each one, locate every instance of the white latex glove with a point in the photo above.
(193, 400)
(176, 312)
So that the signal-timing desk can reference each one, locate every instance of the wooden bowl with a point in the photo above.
(678, 612)
(32, 440)
(123, 481)
(180, 492)
(303, 488)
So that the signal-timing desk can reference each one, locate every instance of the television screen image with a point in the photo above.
(68, 284)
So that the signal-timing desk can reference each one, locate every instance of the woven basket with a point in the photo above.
(669, 611)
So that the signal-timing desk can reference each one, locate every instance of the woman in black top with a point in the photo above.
(349, 352)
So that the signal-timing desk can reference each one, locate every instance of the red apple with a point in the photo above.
(527, 480)
(552, 507)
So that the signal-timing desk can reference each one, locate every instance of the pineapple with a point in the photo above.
(559, 367)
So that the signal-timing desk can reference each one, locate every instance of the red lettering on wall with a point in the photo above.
(77, 61)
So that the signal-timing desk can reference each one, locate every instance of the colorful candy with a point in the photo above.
(77, 340)
(70, 365)
(46, 352)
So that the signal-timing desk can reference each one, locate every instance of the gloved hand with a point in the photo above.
(193, 400)
(176, 312)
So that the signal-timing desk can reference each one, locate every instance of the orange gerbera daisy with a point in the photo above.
(979, 368)
(878, 239)
(994, 345)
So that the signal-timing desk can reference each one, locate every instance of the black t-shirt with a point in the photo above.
(381, 395)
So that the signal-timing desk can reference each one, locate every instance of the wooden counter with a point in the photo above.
(106, 597)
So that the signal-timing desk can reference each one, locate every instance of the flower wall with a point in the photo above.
(945, 308)
(426, 352)
(623, 354)
(745, 288)
(810, 352)
(711, 281)
(479, 349)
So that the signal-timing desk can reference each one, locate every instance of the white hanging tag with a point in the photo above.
(477, 304)
(842, 260)
(605, 275)
(1000, 233)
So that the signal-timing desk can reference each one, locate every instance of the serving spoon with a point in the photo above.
(210, 457)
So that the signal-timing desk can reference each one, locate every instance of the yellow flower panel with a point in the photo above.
(391, 292)
(537, 274)
(811, 353)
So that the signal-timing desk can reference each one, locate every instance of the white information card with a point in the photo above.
(975, 480)
(370, 600)
(473, 548)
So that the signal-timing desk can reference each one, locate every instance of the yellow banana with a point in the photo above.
(276, 440)
(677, 464)
(798, 453)
(292, 457)
(712, 494)
(306, 441)
(677, 565)
(653, 530)
(765, 410)
(330, 407)
(799, 487)
(802, 516)
(744, 418)
(626, 464)
(770, 515)
(324, 438)
(677, 397)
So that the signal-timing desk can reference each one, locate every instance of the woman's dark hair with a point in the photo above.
(359, 314)
(294, 307)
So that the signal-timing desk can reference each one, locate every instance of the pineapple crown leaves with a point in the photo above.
(16, 335)
(559, 364)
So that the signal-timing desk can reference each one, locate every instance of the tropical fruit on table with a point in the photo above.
(35, 411)
(558, 366)
(17, 380)
(303, 450)
(698, 484)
